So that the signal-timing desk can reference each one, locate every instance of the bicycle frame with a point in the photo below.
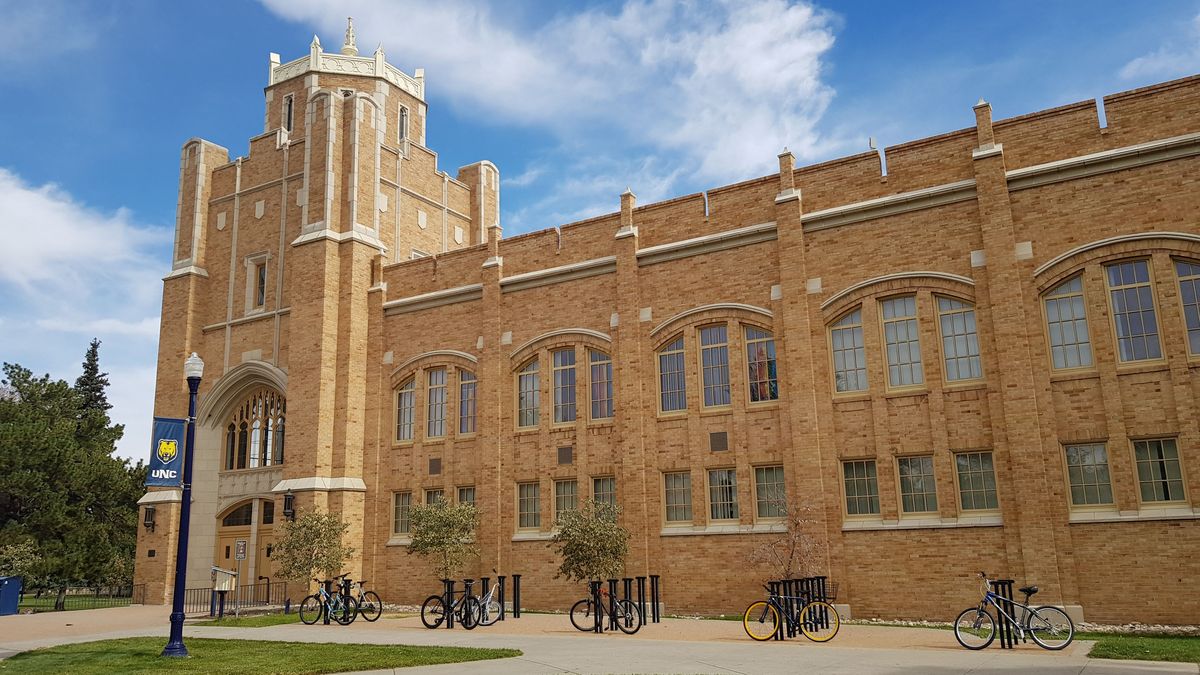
(994, 600)
(793, 621)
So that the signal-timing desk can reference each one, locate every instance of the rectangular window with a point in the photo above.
(602, 384)
(976, 481)
(862, 487)
(405, 398)
(402, 502)
(903, 344)
(528, 395)
(849, 355)
(434, 496)
(566, 497)
(466, 402)
(466, 495)
(604, 490)
(1159, 475)
(678, 496)
(260, 284)
(769, 493)
(671, 382)
(1087, 470)
(529, 506)
(918, 489)
(760, 362)
(1132, 301)
(289, 111)
(1189, 294)
(960, 342)
(564, 386)
(1066, 321)
(722, 494)
(714, 365)
(402, 127)
(268, 512)
(436, 424)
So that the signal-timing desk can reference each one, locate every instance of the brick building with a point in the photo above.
(983, 358)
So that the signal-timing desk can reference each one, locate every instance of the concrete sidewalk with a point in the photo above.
(551, 645)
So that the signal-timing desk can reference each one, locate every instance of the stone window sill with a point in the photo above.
(533, 536)
(933, 522)
(1181, 512)
(400, 540)
(757, 528)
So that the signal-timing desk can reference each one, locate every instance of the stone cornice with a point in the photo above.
(709, 243)
(341, 64)
(1107, 161)
(554, 275)
(891, 205)
(448, 296)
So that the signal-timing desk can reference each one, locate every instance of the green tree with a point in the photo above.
(19, 559)
(314, 543)
(443, 531)
(591, 542)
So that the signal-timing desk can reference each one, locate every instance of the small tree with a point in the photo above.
(442, 531)
(795, 552)
(19, 559)
(313, 543)
(591, 542)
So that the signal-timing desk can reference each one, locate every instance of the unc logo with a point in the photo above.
(167, 449)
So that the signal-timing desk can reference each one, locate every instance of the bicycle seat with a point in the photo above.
(1028, 590)
(362, 582)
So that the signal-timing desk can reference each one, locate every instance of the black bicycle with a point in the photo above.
(816, 619)
(583, 613)
(466, 609)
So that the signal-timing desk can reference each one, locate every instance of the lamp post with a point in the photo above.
(193, 368)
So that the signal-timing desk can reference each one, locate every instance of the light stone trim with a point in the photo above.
(1107, 161)
(893, 277)
(185, 271)
(448, 296)
(168, 496)
(1140, 236)
(891, 205)
(533, 536)
(555, 275)
(934, 522)
(1182, 512)
(709, 243)
(702, 530)
(342, 64)
(555, 333)
(233, 384)
(436, 352)
(725, 306)
(320, 484)
(257, 316)
(428, 200)
(339, 237)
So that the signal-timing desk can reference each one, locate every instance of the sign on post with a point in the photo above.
(166, 453)
(239, 550)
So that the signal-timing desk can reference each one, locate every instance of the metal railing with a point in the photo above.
(205, 600)
(82, 597)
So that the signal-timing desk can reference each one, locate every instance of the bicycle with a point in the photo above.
(1050, 627)
(370, 606)
(818, 620)
(341, 608)
(629, 618)
(490, 610)
(466, 609)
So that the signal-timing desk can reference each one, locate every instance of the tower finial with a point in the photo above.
(349, 48)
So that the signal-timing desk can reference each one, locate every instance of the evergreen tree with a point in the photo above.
(91, 384)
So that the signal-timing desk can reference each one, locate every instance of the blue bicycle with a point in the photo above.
(1049, 626)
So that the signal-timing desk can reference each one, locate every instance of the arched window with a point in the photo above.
(254, 437)
(672, 385)
(243, 435)
(902, 342)
(230, 446)
(601, 380)
(405, 400)
(1189, 292)
(1067, 325)
(762, 374)
(849, 354)
(960, 339)
(241, 516)
(279, 441)
(714, 365)
(1131, 295)
(528, 394)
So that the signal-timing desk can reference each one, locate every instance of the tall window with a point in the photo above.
(254, 436)
(1189, 293)
(918, 492)
(1087, 470)
(903, 345)
(604, 490)
(231, 447)
(862, 487)
(976, 481)
(401, 503)
(960, 342)
(402, 127)
(528, 395)
(435, 495)
(769, 494)
(714, 364)
(849, 355)
(760, 362)
(529, 513)
(260, 284)
(1159, 474)
(466, 402)
(671, 382)
(566, 497)
(678, 496)
(1133, 310)
(289, 110)
(435, 426)
(564, 385)
(405, 398)
(601, 384)
(722, 494)
(1066, 321)
(466, 495)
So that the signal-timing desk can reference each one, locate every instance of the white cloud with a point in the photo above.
(1174, 58)
(147, 327)
(525, 178)
(35, 31)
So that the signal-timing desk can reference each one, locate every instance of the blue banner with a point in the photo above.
(166, 453)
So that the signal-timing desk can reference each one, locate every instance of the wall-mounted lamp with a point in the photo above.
(148, 517)
(289, 506)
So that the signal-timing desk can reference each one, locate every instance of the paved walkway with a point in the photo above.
(551, 645)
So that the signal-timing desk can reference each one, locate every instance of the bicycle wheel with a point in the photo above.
(310, 610)
(629, 618)
(370, 607)
(490, 612)
(975, 628)
(468, 612)
(346, 611)
(581, 616)
(819, 621)
(433, 611)
(1051, 628)
(761, 620)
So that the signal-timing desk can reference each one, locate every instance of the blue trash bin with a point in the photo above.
(10, 595)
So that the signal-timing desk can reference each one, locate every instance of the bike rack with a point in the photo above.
(1006, 628)
(448, 602)
(654, 599)
(641, 596)
(516, 578)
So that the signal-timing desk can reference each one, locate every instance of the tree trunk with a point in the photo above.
(60, 603)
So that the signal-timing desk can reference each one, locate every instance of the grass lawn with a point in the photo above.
(1164, 648)
(256, 621)
(141, 655)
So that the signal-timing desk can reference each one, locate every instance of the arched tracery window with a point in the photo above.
(254, 436)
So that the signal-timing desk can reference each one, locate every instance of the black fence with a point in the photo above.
(261, 595)
(81, 597)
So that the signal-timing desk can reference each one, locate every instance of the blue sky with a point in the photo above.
(573, 102)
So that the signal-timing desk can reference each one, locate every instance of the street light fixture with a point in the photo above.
(193, 369)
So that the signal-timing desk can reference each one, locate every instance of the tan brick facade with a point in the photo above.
(982, 228)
